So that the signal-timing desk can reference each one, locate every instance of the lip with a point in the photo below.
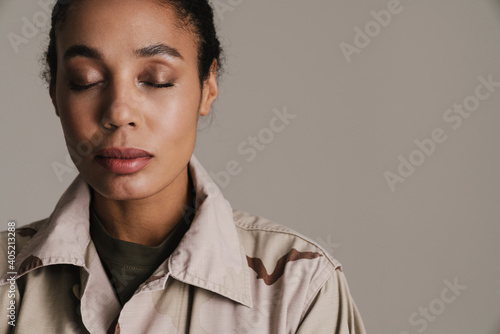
(123, 160)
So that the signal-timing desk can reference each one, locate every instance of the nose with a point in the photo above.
(122, 109)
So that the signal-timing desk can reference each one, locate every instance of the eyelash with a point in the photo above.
(79, 88)
(164, 85)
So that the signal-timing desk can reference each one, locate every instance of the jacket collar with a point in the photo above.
(209, 256)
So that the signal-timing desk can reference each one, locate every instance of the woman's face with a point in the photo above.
(128, 95)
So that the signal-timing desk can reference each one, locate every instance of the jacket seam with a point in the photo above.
(237, 297)
(315, 292)
(294, 234)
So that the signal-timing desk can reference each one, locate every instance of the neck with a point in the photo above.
(147, 221)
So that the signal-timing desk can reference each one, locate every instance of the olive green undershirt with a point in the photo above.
(129, 264)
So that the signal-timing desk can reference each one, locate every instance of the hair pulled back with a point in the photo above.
(196, 15)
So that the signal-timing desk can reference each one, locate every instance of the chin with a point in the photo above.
(123, 187)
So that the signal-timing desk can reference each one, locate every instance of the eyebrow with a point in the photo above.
(82, 51)
(159, 50)
(147, 51)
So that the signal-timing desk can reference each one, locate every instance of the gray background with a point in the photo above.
(323, 175)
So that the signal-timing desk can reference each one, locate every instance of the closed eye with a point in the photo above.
(162, 85)
(77, 87)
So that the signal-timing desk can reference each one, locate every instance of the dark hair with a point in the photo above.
(196, 15)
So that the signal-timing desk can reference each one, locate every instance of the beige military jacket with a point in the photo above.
(232, 272)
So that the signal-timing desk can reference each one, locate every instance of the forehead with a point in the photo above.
(120, 26)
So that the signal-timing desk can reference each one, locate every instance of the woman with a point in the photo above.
(143, 241)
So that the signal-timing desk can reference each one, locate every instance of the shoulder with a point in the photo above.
(257, 232)
(303, 273)
(287, 267)
(271, 246)
(15, 238)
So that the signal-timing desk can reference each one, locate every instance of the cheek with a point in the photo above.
(77, 120)
(176, 117)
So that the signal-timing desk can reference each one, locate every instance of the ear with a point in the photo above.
(210, 90)
(52, 92)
